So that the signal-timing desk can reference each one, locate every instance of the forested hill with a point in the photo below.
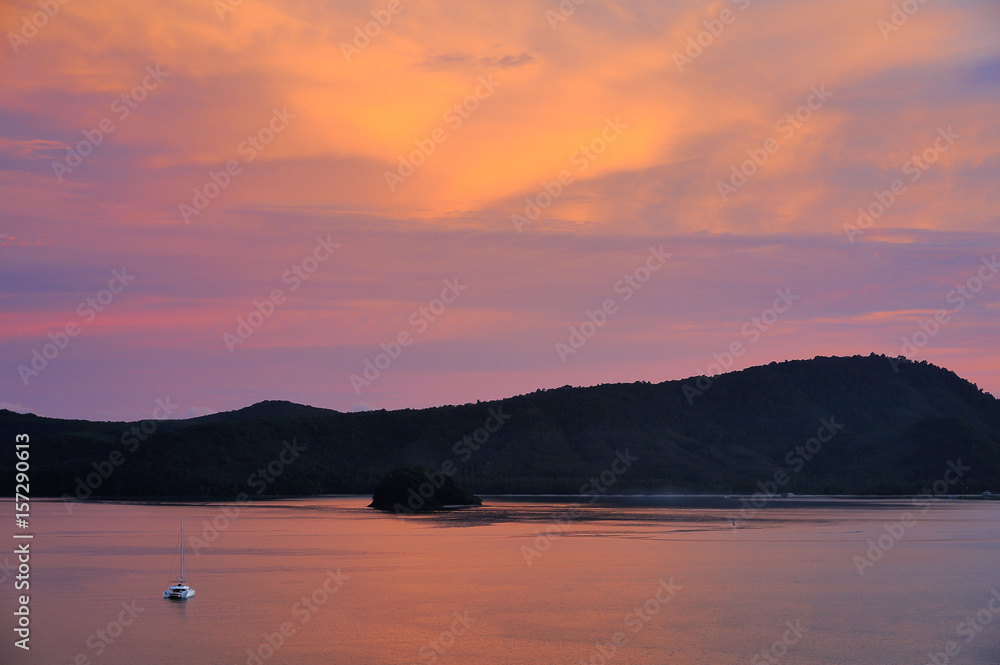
(874, 430)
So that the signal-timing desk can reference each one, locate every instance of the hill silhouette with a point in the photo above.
(857, 425)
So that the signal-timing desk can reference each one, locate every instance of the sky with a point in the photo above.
(400, 204)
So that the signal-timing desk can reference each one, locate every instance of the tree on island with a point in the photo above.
(418, 489)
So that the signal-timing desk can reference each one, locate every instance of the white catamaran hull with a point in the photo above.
(178, 592)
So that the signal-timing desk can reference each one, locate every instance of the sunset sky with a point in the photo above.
(474, 178)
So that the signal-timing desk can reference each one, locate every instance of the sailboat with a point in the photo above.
(180, 589)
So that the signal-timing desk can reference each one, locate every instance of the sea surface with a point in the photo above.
(520, 580)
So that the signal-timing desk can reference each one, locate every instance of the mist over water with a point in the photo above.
(647, 580)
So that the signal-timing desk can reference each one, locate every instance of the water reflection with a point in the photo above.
(583, 580)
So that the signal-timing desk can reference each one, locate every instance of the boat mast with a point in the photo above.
(182, 549)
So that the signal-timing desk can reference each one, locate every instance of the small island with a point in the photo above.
(418, 489)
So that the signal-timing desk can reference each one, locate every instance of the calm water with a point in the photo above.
(458, 588)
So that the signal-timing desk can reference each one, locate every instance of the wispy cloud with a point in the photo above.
(657, 183)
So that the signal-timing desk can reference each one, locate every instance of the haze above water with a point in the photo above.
(713, 594)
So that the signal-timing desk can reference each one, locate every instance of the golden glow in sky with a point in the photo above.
(532, 150)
